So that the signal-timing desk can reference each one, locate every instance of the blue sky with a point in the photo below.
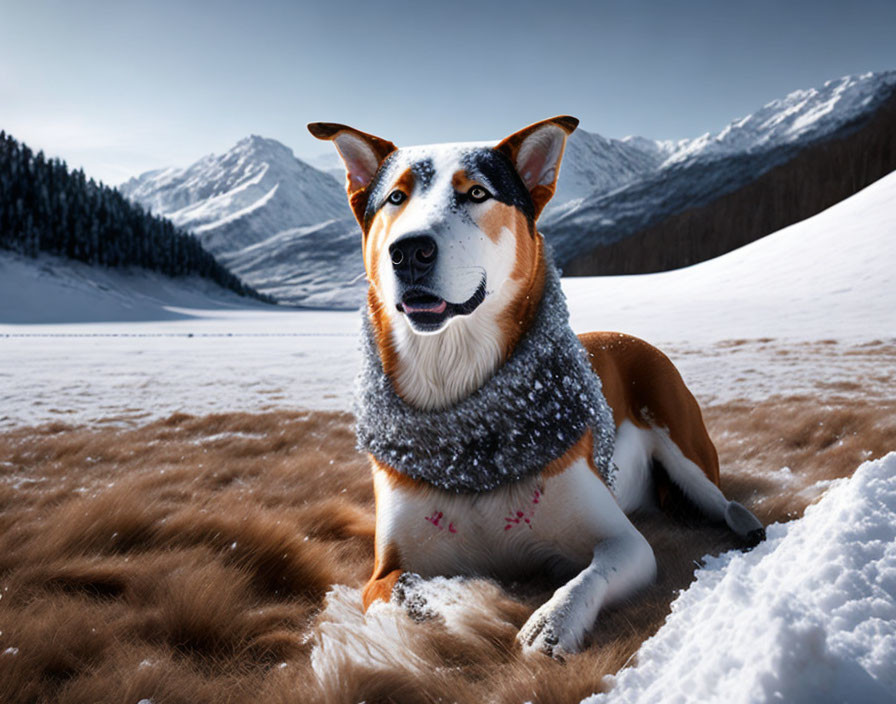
(122, 87)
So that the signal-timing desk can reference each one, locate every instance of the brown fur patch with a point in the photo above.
(530, 271)
(637, 378)
(184, 560)
(461, 181)
(382, 329)
(496, 218)
(584, 447)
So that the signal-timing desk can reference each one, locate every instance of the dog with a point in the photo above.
(463, 304)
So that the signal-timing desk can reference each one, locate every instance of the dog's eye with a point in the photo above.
(397, 197)
(478, 194)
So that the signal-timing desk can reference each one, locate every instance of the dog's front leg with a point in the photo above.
(620, 565)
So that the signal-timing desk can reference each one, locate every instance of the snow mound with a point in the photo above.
(807, 616)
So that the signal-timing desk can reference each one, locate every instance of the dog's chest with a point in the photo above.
(510, 531)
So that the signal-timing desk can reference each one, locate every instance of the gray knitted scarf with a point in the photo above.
(530, 412)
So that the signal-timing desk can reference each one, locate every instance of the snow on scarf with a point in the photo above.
(530, 412)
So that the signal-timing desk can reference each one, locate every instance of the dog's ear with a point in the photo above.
(362, 153)
(536, 152)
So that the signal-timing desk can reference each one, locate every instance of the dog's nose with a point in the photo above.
(413, 257)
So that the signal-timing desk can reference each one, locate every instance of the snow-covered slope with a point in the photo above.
(53, 289)
(831, 276)
(318, 266)
(251, 192)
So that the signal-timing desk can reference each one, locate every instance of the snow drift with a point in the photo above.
(807, 616)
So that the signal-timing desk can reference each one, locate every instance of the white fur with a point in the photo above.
(635, 450)
(438, 370)
(632, 457)
(567, 523)
(689, 477)
(620, 565)
(466, 254)
(563, 517)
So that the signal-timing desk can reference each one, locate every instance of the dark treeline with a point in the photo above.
(46, 208)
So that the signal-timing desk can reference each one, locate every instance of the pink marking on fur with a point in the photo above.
(451, 528)
(517, 517)
(434, 519)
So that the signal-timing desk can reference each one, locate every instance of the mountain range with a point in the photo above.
(628, 205)
(789, 160)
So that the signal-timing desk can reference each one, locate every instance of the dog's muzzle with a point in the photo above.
(428, 312)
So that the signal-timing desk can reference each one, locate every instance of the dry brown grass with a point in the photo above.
(186, 560)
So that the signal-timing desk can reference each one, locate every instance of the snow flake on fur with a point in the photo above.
(529, 413)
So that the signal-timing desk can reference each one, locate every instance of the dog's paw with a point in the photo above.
(409, 593)
(555, 629)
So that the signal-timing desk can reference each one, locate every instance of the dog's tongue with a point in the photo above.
(434, 307)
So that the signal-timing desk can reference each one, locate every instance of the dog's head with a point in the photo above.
(448, 229)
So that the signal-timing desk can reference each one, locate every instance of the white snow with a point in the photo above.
(85, 344)
(807, 616)
(832, 276)
(52, 289)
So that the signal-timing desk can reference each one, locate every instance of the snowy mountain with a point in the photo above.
(592, 163)
(236, 199)
(318, 266)
(285, 226)
(800, 117)
(849, 124)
